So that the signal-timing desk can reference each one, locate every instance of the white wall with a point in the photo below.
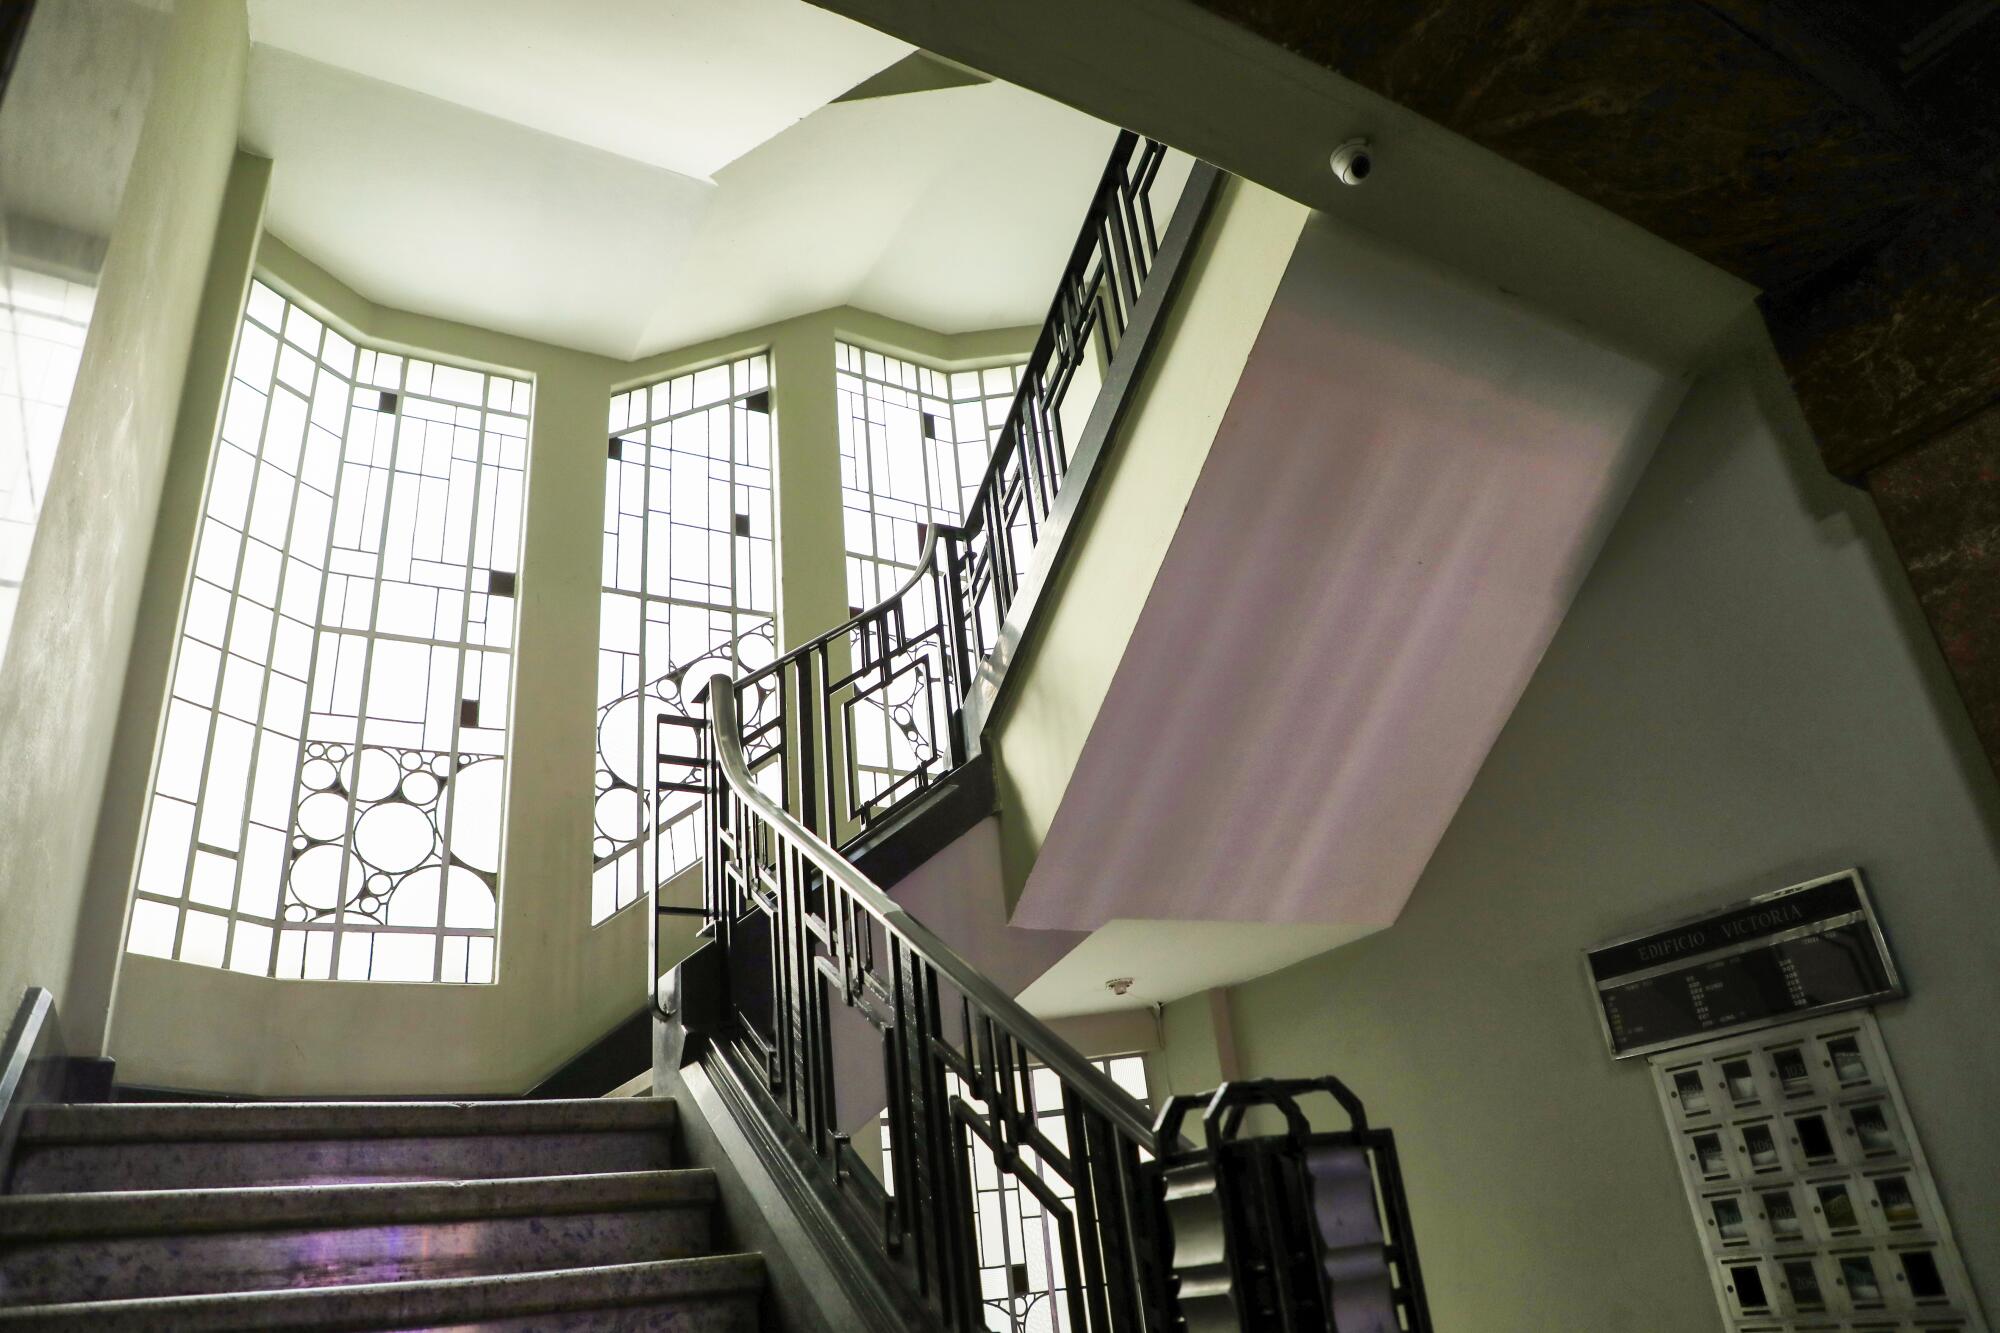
(1743, 695)
(61, 683)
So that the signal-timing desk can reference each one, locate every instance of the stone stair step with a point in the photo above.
(712, 1294)
(115, 1246)
(171, 1145)
(115, 1122)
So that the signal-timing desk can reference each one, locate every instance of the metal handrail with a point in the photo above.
(1096, 1087)
(815, 749)
(922, 569)
(981, 1098)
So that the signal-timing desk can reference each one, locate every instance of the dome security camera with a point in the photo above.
(1352, 162)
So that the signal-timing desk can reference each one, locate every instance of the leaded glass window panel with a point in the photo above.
(687, 591)
(327, 797)
(914, 443)
(914, 446)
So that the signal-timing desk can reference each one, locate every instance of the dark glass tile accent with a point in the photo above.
(468, 712)
(759, 401)
(389, 401)
(930, 426)
(743, 525)
(500, 582)
(617, 449)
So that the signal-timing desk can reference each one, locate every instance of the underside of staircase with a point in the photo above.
(365, 1215)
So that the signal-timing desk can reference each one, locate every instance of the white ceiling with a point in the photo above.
(627, 178)
(688, 85)
(1166, 960)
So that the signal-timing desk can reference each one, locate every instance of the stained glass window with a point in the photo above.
(914, 443)
(687, 591)
(327, 798)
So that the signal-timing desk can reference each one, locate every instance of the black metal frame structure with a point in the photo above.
(809, 971)
(1289, 1231)
(928, 658)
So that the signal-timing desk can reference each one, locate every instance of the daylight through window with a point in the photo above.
(43, 317)
(327, 800)
(688, 591)
(913, 446)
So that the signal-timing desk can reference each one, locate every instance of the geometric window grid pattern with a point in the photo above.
(327, 798)
(688, 590)
(43, 318)
(914, 445)
(1020, 1265)
(1807, 1184)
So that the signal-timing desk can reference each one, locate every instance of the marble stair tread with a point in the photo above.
(152, 1122)
(709, 1294)
(170, 1164)
(96, 1247)
(44, 1217)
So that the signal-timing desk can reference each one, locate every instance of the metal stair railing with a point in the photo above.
(1021, 1187)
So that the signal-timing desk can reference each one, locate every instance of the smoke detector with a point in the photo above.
(1118, 985)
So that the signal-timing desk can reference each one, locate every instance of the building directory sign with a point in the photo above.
(1811, 948)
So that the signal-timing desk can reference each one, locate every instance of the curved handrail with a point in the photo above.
(1096, 1087)
(805, 755)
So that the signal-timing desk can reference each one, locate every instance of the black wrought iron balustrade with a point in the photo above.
(847, 729)
(1018, 1186)
(957, 1069)
(1024, 1188)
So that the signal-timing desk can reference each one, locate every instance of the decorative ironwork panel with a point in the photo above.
(687, 590)
(1021, 1187)
(1004, 1142)
(327, 796)
(1023, 1233)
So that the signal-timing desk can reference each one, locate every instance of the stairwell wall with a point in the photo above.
(1743, 695)
(80, 598)
(1059, 681)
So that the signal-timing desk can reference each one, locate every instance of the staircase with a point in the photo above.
(365, 1215)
